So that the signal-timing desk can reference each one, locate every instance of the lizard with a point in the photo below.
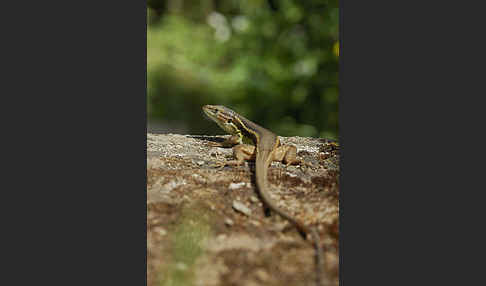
(266, 149)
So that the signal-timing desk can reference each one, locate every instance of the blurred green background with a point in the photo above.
(275, 62)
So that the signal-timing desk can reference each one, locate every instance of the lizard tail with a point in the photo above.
(262, 162)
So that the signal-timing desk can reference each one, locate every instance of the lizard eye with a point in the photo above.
(228, 121)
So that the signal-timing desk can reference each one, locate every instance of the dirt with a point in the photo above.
(195, 236)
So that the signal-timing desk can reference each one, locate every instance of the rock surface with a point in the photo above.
(192, 221)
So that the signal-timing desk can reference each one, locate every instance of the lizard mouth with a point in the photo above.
(209, 109)
(210, 112)
(216, 113)
(222, 117)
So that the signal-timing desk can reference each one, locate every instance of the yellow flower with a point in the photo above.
(335, 49)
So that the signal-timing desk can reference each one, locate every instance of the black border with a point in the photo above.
(410, 115)
(76, 180)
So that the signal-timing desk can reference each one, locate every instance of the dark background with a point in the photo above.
(275, 62)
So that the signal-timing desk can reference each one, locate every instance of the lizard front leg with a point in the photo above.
(286, 154)
(241, 152)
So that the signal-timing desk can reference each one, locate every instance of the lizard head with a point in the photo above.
(223, 116)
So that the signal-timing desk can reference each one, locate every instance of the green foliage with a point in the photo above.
(278, 67)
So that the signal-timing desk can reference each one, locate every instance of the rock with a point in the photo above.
(234, 186)
(229, 222)
(241, 208)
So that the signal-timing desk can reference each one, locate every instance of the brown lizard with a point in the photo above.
(267, 148)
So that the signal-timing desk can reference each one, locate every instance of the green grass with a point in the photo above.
(186, 247)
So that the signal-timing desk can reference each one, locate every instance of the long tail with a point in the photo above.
(262, 162)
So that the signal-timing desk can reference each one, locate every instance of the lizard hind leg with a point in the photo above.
(287, 154)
